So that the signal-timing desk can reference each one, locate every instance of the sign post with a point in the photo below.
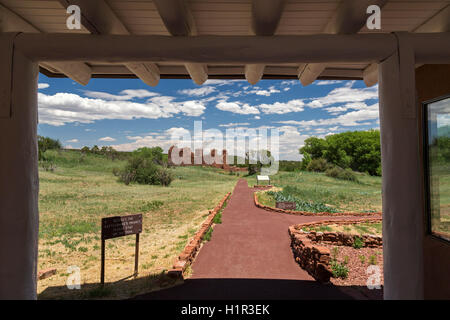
(119, 226)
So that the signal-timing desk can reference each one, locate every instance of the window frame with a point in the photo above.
(426, 166)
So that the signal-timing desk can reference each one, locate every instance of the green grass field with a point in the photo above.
(82, 190)
(318, 189)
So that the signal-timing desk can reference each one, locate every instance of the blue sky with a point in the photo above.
(127, 114)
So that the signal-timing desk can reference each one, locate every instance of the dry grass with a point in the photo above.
(74, 199)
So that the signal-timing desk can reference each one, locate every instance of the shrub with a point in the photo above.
(339, 173)
(116, 171)
(339, 270)
(85, 150)
(144, 170)
(163, 176)
(358, 243)
(373, 260)
(318, 165)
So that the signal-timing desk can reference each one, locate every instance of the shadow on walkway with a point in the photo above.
(248, 289)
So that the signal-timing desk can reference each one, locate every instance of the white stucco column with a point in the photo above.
(402, 184)
(19, 184)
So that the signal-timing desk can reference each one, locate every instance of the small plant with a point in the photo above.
(346, 260)
(372, 260)
(217, 218)
(208, 234)
(362, 259)
(151, 205)
(339, 270)
(334, 253)
(358, 243)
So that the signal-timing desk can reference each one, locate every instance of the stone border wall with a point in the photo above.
(313, 257)
(190, 251)
(306, 213)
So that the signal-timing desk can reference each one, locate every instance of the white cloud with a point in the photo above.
(257, 117)
(72, 141)
(228, 125)
(43, 85)
(353, 118)
(124, 95)
(199, 92)
(62, 108)
(107, 139)
(345, 94)
(261, 92)
(237, 107)
(327, 82)
(283, 107)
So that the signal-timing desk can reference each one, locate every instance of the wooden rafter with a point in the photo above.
(98, 18)
(178, 20)
(440, 22)
(12, 22)
(349, 18)
(266, 16)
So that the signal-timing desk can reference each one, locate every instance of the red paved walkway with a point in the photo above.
(250, 247)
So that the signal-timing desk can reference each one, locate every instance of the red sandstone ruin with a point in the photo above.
(185, 157)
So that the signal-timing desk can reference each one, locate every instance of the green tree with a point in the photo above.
(357, 150)
(46, 143)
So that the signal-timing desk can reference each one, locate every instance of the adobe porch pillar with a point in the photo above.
(402, 172)
(19, 182)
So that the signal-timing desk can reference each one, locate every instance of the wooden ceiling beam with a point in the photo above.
(12, 22)
(99, 18)
(266, 16)
(440, 22)
(350, 17)
(178, 20)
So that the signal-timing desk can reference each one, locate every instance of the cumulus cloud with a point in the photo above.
(353, 118)
(43, 85)
(72, 141)
(345, 94)
(327, 82)
(236, 124)
(237, 107)
(263, 92)
(283, 107)
(107, 139)
(124, 95)
(62, 108)
(199, 92)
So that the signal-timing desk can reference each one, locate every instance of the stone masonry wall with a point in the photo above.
(313, 257)
(190, 251)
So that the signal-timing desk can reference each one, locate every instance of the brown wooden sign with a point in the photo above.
(113, 227)
(286, 205)
(119, 226)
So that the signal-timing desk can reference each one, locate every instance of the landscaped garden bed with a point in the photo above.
(268, 200)
(316, 192)
(347, 259)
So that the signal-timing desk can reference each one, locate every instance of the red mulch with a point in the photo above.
(357, 276)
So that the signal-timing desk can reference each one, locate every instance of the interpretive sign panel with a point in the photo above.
(286, 205)
(113, 227)
(119, 226)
